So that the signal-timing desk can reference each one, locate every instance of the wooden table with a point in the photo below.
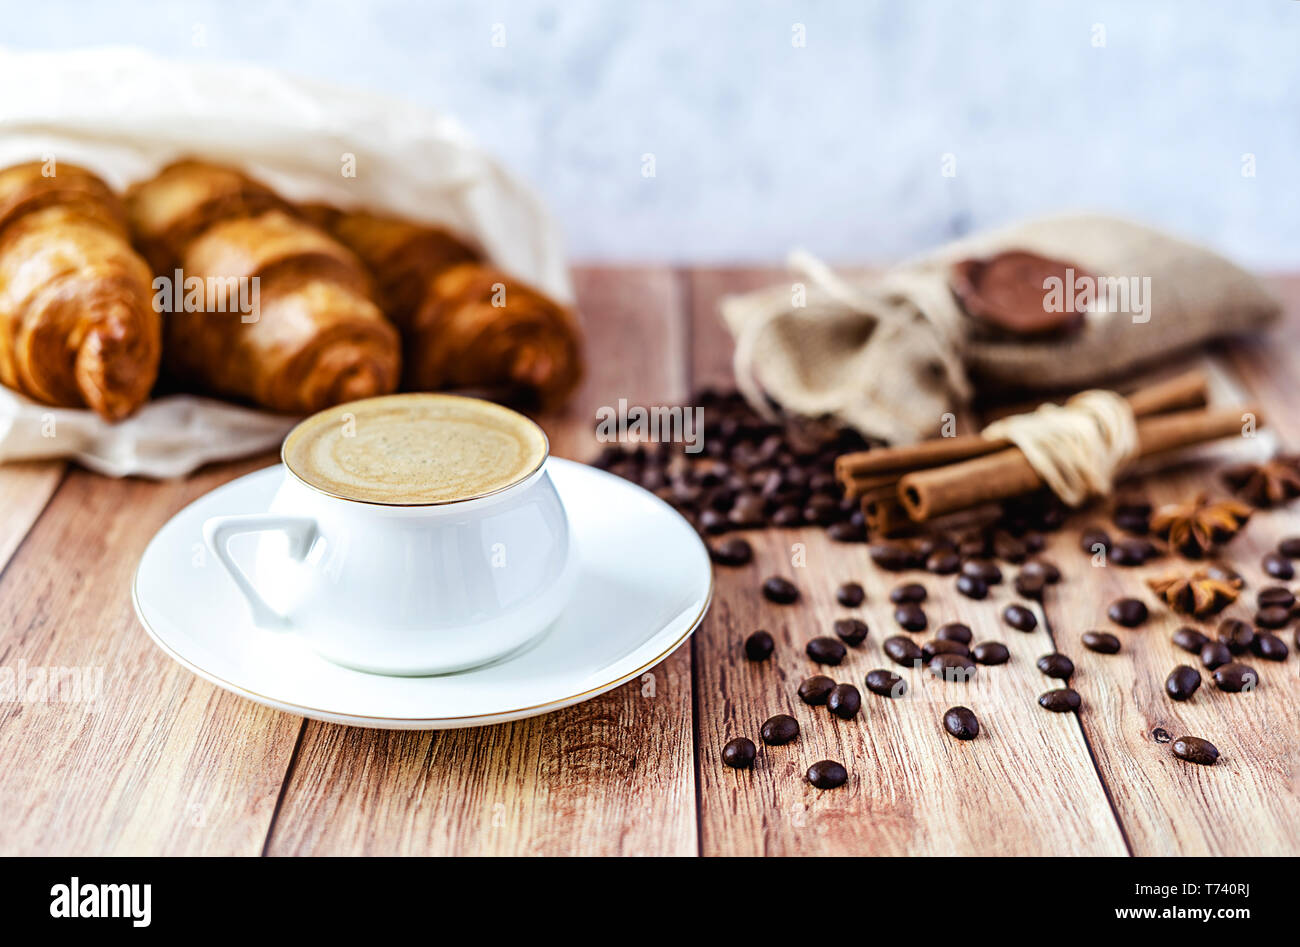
(167, 763)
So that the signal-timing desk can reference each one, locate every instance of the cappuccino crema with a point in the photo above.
(414, 449)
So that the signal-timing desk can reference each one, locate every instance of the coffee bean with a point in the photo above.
(1196, 750)
(943, 562)
(826, 650)
(910, 616)
(892, 557)
(758, 646)
(1189, 639)
(1269, 647)
(940, 646)
(1042, 568)
(952, 667)
(787, 516)
(910, 592)
(991, 652)
(847, 532)
(851, 631)
(827, 774)
(1273, 617)
(1278, 566)
(732, 552)
(1161, 735)
(1056, 665)
(747, 511)
(739, 753)
(1030, 586)
(961, 723)
(886, 683)
(1019, 617)
(954, 631)
(982, 569)
(1129, 612)
(1135, 523)
(902, 650)
(850, 595)
(1065, 700)
(972, 587)
(1130, 552)
(1275, 596)
(1182, 682)
(713, 522)
(1289, 547)
(779, 590)
(1235, 677)
(1237, 635)
(1215, 654)
(814, 690)
(844, 701)
(1103, 642)
(779, 730)
(1093, 537)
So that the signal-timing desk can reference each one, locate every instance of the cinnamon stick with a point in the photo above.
(926, 494)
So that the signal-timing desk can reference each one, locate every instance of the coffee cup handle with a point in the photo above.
(219, 530)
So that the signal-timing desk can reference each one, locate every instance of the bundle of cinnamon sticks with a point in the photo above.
(902, 486)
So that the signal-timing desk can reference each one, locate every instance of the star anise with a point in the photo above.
(1195, 528)
(1206, 591)
(1271, 483)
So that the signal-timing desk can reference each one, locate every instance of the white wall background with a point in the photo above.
(837, 145)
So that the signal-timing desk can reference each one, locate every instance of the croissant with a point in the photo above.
(306, 334)
(77, 323)
(464, 323)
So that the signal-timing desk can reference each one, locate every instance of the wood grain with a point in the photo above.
(25, 489)
(1026, 785)
(614, 775)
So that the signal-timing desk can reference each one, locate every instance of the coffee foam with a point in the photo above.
(414, 449)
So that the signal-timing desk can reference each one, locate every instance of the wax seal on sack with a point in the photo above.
(1011, 293)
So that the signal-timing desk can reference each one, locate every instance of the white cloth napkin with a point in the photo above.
(125, 113)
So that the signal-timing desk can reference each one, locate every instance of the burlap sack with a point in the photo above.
(890, 355)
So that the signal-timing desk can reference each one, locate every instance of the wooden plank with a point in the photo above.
(25, 489)
(610, 776)
(1025, 786)
(147, 758)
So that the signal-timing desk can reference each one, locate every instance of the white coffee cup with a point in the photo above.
(405, 589)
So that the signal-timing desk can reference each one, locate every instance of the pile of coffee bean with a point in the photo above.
(752, 472)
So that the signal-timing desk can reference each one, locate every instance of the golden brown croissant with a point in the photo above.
(77, 323)
(314, 337)
(464, 323)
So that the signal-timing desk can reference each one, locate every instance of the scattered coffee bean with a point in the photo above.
(814, 690)
(1093, 537)
(732, 552)
(1196, 750)
(1136, 523)
(844, 701)
(850, 595)
(941, 646)
(982, 569)
(952, 667)
(827, 774)
(779, 730)
(1189, 639)
(787, 516)
(739, 753)
(1215, 654)
(851, 631)
(1273, 617)
(847, 531)
(1129, 612)
(954, 631)
(972, 587)
(1041, 567)
(1269, 647)
(1019, 617)
(759, 646)
(1278, 566)
(1065, 700)
(1275, 596)
(1237, 635)
(1235, 677)
(910, 616)
(825, 650)
(943, 562)
(961, 723)
(902, 650)
(886, 683)
(779, 590)
(909, 592)
(991, 652)
(892, 557)
(1030, 586)
(1289, 547)
(1103, 642)
(1131, 552)
(1182, 682)
(1056, 665)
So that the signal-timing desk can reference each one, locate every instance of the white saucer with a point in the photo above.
(644, 584)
